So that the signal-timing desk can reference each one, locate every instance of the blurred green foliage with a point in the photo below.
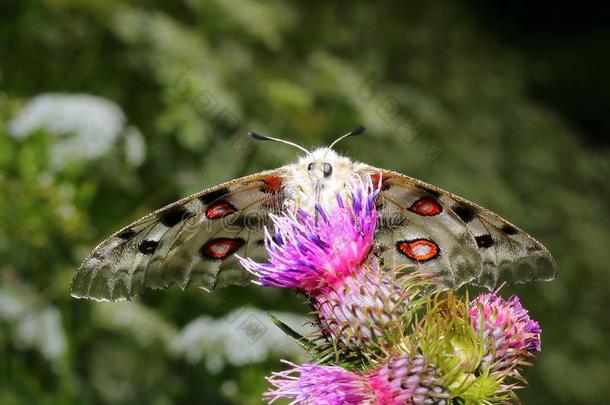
(443, 100)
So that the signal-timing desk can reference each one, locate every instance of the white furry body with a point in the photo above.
(304, 188)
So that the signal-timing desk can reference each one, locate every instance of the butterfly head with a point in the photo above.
(319, 164)
(318, 176)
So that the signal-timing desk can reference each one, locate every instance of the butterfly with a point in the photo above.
(194, 241)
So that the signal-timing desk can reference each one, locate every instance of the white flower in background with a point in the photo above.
(135, 146)
(243, 336)
(140, 321)
(33, 326)
(11, 305)
(43, 330)
(86, 126)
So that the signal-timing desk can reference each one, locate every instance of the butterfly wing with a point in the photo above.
(459, 241)
(190, 242)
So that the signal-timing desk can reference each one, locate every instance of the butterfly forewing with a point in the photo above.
(458, 241)
(189, 243)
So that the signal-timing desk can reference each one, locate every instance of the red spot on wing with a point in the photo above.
(426, 206)
(219, 210)
(420, 250)
(273, 184)
(220, 248)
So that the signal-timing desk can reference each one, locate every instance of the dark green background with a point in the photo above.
(504, 105)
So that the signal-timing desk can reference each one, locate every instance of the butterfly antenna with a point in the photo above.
(260, 137)
(356, 131)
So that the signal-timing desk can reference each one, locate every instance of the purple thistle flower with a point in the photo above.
(508, 331)
(403, 380)
(319, 385)
(364, 311)
(358, 304)
(311, 253)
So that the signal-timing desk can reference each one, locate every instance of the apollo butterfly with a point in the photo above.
(193, 242)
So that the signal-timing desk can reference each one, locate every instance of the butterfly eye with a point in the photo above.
(327, 169)
(310, 166)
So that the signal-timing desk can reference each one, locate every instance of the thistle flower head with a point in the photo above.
(367, 311)
(507, 329)
(402, 380)
(407, 379)
(325, 255)
(310, 384)
(311, 252)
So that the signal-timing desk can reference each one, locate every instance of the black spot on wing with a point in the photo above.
(126, 234)
(509, 230)
(533, 249)
(433, 193)
(484, 241)
(212, 196)
(465, 213)
(174, 216)
(148, 246)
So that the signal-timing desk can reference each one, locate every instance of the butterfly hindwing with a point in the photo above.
(455, 239)
(189, 243)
